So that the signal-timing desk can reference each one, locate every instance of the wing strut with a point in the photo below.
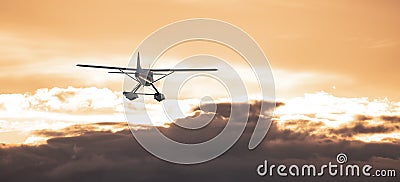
(129, 75)
(165, 75)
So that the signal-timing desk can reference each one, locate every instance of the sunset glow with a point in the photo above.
(335, 75)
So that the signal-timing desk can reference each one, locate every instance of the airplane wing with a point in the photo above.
(154, 70)
(105, 67)
(184, 69)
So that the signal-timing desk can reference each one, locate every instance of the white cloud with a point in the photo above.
(337, 112)
(58, 108)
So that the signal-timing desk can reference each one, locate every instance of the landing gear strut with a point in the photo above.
(158, 96)
(132, 95)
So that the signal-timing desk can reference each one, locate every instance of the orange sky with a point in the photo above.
(335, 65)
(348, 49)
(313, 45)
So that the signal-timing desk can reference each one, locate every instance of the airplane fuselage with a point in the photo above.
(145, 77)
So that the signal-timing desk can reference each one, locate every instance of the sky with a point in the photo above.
(334, 65)
(317, 45)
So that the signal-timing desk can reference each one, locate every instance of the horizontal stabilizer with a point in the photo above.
(122, 72)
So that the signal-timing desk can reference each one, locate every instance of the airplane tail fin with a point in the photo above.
(138, 62)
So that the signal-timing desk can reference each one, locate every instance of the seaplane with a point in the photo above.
(145, 77)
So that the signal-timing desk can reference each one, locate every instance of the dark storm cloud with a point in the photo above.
(107, 156)
(283, 134)
(394, 119)
(77, 129)
(367, 125)
(224, 109)
(362, 128)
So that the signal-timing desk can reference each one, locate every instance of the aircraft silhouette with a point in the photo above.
(144, 77)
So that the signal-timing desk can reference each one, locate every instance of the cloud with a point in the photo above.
(394, 119)
(88, 153)
(63, 100)
(346, 118)
(355, 128)
(56, 108)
